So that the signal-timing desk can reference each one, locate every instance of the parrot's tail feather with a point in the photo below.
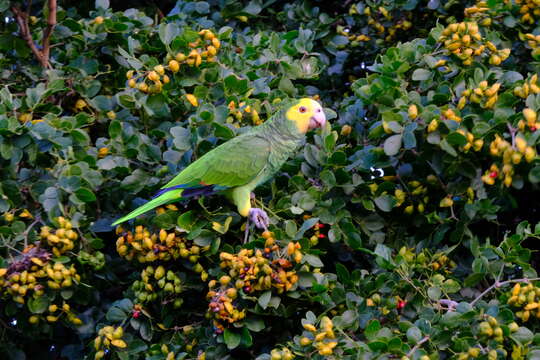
(164, 190)
(204, 190)
(166, 197)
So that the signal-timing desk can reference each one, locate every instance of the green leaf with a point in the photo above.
(187, 220)
(167, 32)
(534, 175)
(38, 305)
(86, 195)
(434, 293)
(102, 4)
(473, 279)
(313, 260)
(234, 84)
(146, 331)
(156, 105)
(342, 273)
(414, 334)
(372, 329)
(246, 338)
(231, 338)
(456, 139)
(385, 202)
(308, 224)
(254, 324)
(523, 335)
(287, 86)
(181, 138)
(447, 147)
(451, 286)
(392, 145)
(421, 74)
(115, 129)
(116, 314)
(264, 299)
(223, 131)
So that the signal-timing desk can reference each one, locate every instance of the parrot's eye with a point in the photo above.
(302, 109)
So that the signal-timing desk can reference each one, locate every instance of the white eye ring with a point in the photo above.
(302, 109)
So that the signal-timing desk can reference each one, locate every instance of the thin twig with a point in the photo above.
(27, 231)
(348, 337)
(513, 134)
(499, 284)
(417, 346)
(246, 231)
(451, 304)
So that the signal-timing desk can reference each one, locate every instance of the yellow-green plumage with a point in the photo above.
(237, 166)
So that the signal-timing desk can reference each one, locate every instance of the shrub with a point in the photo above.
(406, 228)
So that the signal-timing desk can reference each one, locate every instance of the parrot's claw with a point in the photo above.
(259, 218)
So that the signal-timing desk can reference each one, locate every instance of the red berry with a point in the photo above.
(401, 304)
(321, 226)
(493, 174)
(136, 314)
(322, 236)
(533, 128)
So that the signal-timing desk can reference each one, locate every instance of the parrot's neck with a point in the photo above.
(284, 139)
(278, 129)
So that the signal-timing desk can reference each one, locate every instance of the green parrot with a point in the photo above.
(236, 167)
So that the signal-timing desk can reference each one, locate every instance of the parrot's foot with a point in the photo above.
(259, 218)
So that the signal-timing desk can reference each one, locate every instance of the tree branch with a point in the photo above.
(498, 284)
(51, 23)
(22, 20)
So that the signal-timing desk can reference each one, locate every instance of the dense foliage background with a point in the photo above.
(405, 229)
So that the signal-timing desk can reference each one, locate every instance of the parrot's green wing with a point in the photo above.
(234, 163)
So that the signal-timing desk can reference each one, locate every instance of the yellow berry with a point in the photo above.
(529, 115)
(160, 69)
(192, 100)
(413, 111)
(152, 75)
(174, 66)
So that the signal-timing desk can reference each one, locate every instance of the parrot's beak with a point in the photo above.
(318, 120)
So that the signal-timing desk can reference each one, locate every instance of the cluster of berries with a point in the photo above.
(108, 337)
(158, 283)
(61, 239)
(484, 95)
(527, 298)
(465, 41)
(322, 339)
(203, 49)
(145, 246)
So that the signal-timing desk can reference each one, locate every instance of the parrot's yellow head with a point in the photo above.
(307, 114)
